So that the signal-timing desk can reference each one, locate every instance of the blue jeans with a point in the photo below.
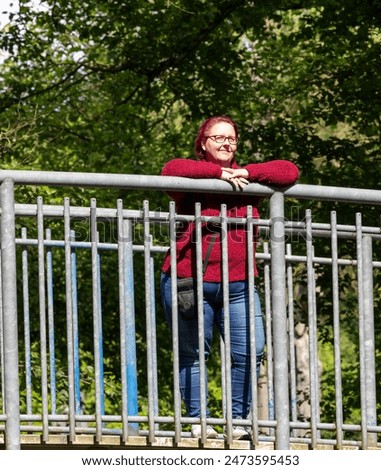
(239, 342)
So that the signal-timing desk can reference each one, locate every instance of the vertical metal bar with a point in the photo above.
(2, 342)
(150, 336)
(224, 373)
(100, 329)
(50, 296)
(336, 332)
(26, 313)
(370, 366)
(122, 318)
(223, 377)
(69, 318)
(42, 308)
(311, 327)
(132, 375)
(96, 319)
(10, 324)
(127, 324)
(360, 282)
(225, 291)
(314, 360)
(154, 340)
(175, 324)
(77, 372)
(291, 329)
(201, 330)
(252, 313)
(269, 338)
(278, 293)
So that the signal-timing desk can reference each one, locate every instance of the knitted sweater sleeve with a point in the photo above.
(191, 169)
(273, 173)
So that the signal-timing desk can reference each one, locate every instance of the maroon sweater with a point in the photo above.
(274, 173)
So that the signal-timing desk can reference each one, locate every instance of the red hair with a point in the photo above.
(204, 129)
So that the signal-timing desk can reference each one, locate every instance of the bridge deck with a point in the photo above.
(56, 442)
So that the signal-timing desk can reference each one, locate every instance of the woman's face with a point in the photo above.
(220, 153)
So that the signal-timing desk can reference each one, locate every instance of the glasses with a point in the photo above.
(220, 139)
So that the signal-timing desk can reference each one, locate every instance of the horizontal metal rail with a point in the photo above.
(166, 183)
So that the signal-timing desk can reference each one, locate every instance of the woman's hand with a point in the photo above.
(236, 176)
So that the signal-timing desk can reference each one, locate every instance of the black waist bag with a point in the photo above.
(186, 297)
(186, 290)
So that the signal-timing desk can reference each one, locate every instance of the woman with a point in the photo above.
(215, 148)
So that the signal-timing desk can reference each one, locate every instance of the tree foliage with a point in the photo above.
(106, 85)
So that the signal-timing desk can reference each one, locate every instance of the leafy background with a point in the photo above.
(121, 86)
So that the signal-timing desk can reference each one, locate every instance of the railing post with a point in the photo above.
(279, 317)
(127, 324)
(130, 330)
(370, 366)
(9, 298)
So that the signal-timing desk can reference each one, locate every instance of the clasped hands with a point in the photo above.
(236, 176)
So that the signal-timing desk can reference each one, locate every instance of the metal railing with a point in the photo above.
(68, 270)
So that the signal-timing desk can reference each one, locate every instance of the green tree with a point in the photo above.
(111, 86)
